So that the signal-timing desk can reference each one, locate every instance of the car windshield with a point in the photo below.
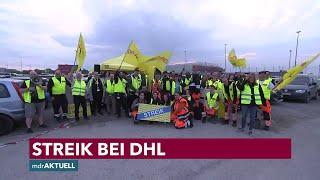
(300, 81)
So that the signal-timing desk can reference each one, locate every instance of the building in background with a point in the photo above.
(65, 68)
(194, 67)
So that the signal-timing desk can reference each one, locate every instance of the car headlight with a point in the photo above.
(300, 91)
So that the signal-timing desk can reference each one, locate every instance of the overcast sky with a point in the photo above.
(45, 33)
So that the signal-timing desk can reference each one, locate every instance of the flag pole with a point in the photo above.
(124, 56)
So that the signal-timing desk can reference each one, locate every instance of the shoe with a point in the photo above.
(77, 119)
(241, 129)
(266, 128)
(86, 118)
(101, 113)
(234, 124)
(58, 119)
(250, 133)
(29, 131)
(226, 122)
(43, 125)
(65, 118)
(204, 120)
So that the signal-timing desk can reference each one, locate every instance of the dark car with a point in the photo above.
(304, 87)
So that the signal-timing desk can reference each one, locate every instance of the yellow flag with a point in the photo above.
(81, 53)
(293, 73)
(157, 62)
(241, 62)
(132, 54)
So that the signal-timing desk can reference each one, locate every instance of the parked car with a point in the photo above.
(304, 87)
(318, 86)
(11, 104)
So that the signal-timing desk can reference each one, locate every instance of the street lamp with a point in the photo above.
(225, 57)
(290, 51)
(295, 59)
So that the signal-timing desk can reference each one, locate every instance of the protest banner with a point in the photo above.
(148, 112)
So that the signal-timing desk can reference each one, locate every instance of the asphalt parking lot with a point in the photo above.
(298, 121)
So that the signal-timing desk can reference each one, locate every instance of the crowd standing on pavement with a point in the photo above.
(217, 96)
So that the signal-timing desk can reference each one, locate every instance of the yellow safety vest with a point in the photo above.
(173, 88)
(211, 100)
(110, 86)
(79, 88)
(231, 91)
(265, 88)
(187, 81)
(58, 87)
(246, 95)
(120, 86)
(136, 82)
(27, 94)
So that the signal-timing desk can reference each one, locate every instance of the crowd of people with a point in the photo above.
(206, 97)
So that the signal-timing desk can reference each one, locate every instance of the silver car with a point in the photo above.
(11, 104)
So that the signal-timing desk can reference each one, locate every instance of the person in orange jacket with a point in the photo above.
(180, 113)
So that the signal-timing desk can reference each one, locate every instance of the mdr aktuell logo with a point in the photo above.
(168, 90)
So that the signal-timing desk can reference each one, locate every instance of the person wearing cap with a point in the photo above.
(57, 90)
(96, 90)
(251, 99)
(265, 81)
(79, 96)
(34, 99)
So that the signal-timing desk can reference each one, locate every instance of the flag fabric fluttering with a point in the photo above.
(292, 73)
(148, 64)
(80, 53)
(241, 62)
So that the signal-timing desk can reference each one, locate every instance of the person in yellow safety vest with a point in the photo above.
(57, 89)
(110, 100)
(120, 94)
(166, 83)
(180, 115)
(135, 82)
(176, 86)
(34, 99)
(79, 96)
(225, 92)
(220, 89)
(211, 105)
(185, 82)
(267, 86)
(234, 94)
(251, 93)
